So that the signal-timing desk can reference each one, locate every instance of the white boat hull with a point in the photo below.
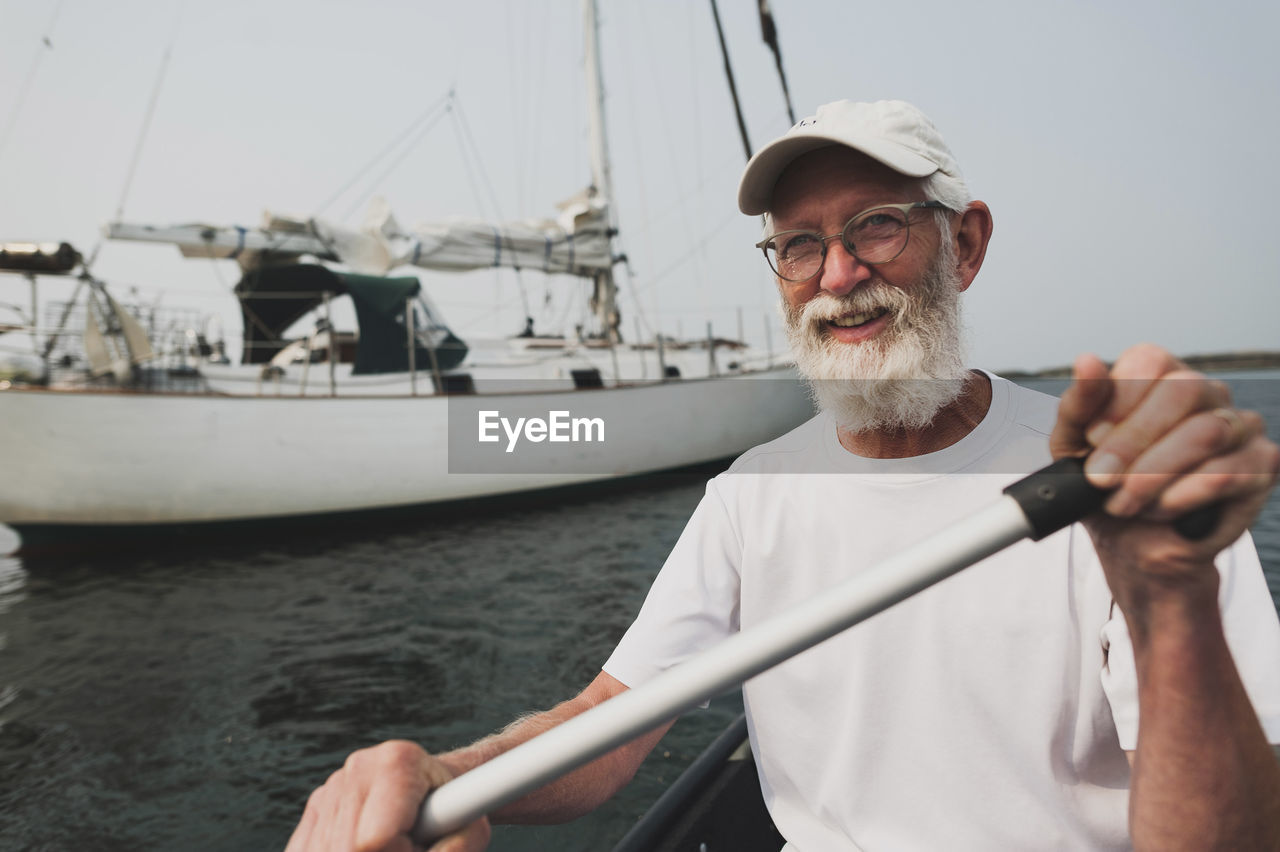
(117, 458)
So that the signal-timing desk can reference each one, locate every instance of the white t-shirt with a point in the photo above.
(990, 711)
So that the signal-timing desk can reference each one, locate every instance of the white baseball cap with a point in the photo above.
(893, 132)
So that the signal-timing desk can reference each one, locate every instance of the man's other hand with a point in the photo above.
(1165, 440)
(372, 801)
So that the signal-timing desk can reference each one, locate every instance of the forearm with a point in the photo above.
(1204, 775)
(571, 795)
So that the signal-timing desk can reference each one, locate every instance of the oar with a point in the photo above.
(1033, 507)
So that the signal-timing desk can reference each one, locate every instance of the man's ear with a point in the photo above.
(971, 241)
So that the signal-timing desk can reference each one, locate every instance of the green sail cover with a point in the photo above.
(273, 298)
(380, 312)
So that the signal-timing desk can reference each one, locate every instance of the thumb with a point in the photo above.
(1087, 397)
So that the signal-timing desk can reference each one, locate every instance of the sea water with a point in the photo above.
(190, 694)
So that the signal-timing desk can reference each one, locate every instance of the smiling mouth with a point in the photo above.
(855, 320)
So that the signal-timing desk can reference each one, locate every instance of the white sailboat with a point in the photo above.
(397, 413)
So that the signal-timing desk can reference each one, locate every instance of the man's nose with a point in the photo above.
(841, 271)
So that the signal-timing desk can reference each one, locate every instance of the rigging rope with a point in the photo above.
(633, 291)
(462, 129)
(681, 205)
(373, 185)
(526, 91)
(443, 101)
(142, 133)
(46, 44)
(475, 152)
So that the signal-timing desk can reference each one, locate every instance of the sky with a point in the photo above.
(1126, 149)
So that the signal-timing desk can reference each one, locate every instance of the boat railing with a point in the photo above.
(44, 345)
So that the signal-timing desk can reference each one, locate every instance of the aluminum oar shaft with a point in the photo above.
(744, 655)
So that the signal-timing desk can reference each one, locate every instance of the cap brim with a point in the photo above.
(755, 191)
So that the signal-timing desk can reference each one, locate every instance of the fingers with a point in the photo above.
(1237, 484)
(319, 827)
(1170, 430)
(1246, 475)
(349, 805)
(371, 803)
(1203, 444)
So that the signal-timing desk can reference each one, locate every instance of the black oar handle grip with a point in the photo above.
(1056, 496)
(1059, 495)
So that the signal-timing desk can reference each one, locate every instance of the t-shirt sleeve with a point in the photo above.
(693, 603)
(1253, 635)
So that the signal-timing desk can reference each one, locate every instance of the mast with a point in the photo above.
(604, 297)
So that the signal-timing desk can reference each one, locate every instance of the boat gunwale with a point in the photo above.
(624, 386)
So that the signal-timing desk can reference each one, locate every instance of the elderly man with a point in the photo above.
(1106, 687)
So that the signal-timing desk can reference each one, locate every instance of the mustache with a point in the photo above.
(825, 306)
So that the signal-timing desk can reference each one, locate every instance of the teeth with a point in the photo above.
(858, 319)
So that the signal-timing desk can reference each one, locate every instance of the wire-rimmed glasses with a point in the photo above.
(877, 235)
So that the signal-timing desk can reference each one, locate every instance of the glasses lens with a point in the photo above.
(876, 236)
(795, 257)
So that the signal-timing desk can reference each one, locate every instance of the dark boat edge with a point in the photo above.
(714, 805)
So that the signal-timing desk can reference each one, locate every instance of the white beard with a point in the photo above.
(905, 375)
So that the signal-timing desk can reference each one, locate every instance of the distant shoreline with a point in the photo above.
(1216, 363)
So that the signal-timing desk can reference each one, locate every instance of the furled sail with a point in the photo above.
(574, 243)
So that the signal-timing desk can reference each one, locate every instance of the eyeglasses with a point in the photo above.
(877, 235)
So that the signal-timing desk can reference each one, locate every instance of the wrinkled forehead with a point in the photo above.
(834, 173)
